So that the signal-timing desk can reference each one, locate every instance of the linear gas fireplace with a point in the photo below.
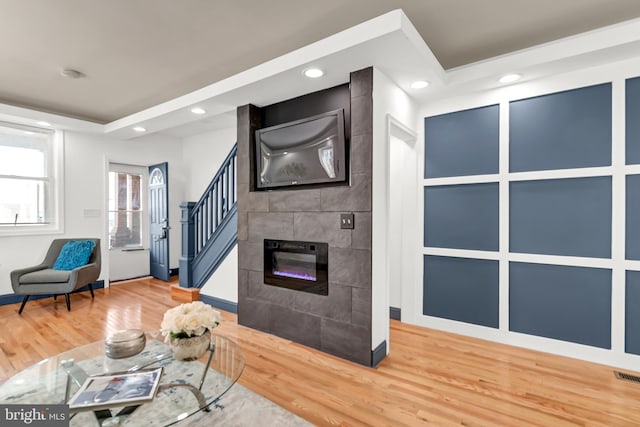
(302, 266)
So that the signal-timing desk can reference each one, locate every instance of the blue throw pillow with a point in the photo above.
(74, 254)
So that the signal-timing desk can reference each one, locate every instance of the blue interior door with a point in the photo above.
(159, 221)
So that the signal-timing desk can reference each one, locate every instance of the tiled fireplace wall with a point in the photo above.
(340, 323)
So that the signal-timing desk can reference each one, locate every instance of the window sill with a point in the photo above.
(29, 230)
(129, 249)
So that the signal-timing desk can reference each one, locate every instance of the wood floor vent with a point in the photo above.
(627, 377)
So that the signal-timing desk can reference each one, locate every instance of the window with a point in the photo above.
(126, 222)
(29, 169)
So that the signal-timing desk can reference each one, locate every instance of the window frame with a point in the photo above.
(142, 171)
(54, 197)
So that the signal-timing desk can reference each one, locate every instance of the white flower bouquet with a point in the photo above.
(189, 320)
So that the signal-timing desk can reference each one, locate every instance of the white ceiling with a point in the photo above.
(137, 54)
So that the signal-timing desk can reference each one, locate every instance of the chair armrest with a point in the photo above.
(84, 275)
(15, 274)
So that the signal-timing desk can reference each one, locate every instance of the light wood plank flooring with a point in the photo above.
(429, 378)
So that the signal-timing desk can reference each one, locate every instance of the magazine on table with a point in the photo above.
(116, 389)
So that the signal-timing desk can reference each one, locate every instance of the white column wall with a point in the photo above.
(388, 101)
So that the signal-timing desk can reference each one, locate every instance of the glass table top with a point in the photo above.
(185, 387)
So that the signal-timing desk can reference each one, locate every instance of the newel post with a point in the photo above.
(188, 244)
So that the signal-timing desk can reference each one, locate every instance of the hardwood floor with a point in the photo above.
(430, 377)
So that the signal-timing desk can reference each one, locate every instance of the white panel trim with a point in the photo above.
(460, 253)
(503, 224)
(456, 180)
(573, 261)
(616, 75)
(618, 215)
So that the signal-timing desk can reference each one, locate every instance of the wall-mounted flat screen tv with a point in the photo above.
(307, 151)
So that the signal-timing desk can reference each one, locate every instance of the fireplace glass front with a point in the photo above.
(301, 266)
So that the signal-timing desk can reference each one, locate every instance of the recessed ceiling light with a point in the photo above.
(43, 123)
(28, 132)
(510, 78)
(139, 129)
(419, 84)
(313, 73)
(198, 110)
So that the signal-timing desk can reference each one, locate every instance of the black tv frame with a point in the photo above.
(341, 153)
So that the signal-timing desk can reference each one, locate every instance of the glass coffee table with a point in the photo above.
(185, 387)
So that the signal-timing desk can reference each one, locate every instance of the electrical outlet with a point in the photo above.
(346, 221)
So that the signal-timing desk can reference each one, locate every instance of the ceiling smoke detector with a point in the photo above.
(71, 73)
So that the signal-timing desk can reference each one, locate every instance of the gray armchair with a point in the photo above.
(42, 279)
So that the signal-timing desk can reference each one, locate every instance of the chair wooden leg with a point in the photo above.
(24, 301)
(66, 297)
(55, 297)
(91, 289)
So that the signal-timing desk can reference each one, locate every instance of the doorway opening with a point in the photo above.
(401, 219)
(127, 222)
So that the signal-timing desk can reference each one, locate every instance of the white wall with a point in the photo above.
(86, 160)
(401, 183)
(204, 154)
(389, 102)
(223, 283)
(616, 73)
(394, 240)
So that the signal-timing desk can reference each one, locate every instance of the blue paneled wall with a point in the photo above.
(570, 217)
(632, 216)
(557, 208)
(453, 296)
(562, 302)
(471, 149)
(632, 117)
(462, 216)
(632, 312)
(563, 130)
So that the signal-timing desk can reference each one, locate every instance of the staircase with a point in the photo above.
(209, 226)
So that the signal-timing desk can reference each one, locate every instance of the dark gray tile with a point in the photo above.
(252, 201)
(361, 153)
(361, 82)
(267, 225)
(361, 116)
(361, 233)
(243, 283)
(321, 227)
(300, 327)
(272, 294)
(250, 256)
(255, 314)
(347, 341)
(360, 319)
(336, 305)
(350, 267)
(357, 197)
(248, 119)
(361, 301)
(294, 201)
(243, 226)
(242, 161)
(243, 173)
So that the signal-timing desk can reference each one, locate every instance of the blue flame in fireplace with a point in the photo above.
(295, 275)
